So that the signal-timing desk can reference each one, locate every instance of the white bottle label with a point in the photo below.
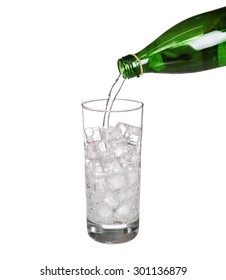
(208, 40)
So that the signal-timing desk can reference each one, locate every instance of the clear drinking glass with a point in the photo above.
(112, 169)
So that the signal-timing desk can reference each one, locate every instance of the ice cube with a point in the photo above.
(100, 185)
(110, 133)
(111, 201)
(133, 134)
(116, 181)
(111, 165)
(118, 147)
(95, 150)
(126, 196)
(104, 214)
(100, 213)
(131, 159)
(94, 167)
(128, 212)
(122, 162)
(123, 211)
(133, 177)
(122, 126)
(92, 134)
(100, 148)
(122, 195)
(90, 152)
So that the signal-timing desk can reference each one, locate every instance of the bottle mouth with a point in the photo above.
(122, 68)
(129, 67)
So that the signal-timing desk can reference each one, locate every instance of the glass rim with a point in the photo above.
(140, 105)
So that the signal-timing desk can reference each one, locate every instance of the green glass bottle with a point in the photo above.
(195, 44)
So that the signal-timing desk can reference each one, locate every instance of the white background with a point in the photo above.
(54, 55)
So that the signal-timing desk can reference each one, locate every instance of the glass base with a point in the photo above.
(113, 234)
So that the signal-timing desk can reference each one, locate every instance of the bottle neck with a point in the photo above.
(129, 66)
